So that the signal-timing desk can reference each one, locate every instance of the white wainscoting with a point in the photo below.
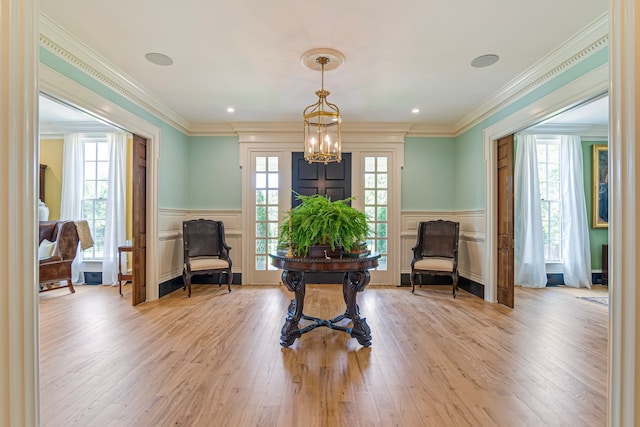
(170, 256)
(471, 251)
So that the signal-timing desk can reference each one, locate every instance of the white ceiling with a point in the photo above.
(399, 55)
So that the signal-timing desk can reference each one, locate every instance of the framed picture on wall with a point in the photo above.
(600, 211)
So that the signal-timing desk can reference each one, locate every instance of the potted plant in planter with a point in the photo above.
(318, 221)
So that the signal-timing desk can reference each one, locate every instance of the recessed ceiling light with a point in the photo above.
(158, 58)
(230, 110)
(415, 110)
(484, 61)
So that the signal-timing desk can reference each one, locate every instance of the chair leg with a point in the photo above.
(186, 279)
(229, 279)
(412, 279)
(455, 284)
(70, 284)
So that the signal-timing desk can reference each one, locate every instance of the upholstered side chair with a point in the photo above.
(205, 251)
(436, 252)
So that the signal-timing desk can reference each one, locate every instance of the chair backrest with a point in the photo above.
(67, 239)
(203, 237)
(438, 238)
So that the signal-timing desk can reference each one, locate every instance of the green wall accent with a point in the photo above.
(215, 177)
(597, 236)
(470, 180)
(428, 176)
(173, 167)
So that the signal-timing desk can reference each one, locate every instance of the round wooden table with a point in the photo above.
(356, 278)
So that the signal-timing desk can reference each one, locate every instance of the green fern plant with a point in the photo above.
(319, 221)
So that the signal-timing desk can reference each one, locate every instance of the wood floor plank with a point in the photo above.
(215, 360)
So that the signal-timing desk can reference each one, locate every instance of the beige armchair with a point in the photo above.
(436, 252)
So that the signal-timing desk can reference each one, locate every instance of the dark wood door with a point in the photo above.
(332, 180)
(505, 221)
(139, 190)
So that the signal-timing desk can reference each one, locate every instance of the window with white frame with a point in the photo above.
(96, 189)
(267, 210)
(376, 204)
(548, 153)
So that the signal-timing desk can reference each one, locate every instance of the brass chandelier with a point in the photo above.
(322, 121)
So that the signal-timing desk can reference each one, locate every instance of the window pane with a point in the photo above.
(90, 151)
(382, 214)
(103, 151)
(273, 164)
(554, 153)
(273, 180)
(261, 262)
(261, 213)
(89, 170)
(261, 180)
(87, 209)
(261, 246)
(273, 229)
(544, 191)
(369, 180)
(273, 197)
(273, 246)
(101, 209)
(369, 164)
(261, 229)
(102, 189)
(382, 164)
(89, 189)
(382, 197)
(369, 197)
(261, 164)
(382, 263)
(382, 180)
(261, 197)
(381, 230)
(273, 213)
(103, 170)
(370, 212)
(381, 247)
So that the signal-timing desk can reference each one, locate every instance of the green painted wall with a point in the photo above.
(173, 163)
(470, 180)
(428, 176)
(597, 236)
(215, 177)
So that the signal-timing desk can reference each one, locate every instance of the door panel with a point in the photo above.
(505, 267)
(332, 179)
(139, 190)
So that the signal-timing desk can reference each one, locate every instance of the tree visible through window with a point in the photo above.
(548, 152)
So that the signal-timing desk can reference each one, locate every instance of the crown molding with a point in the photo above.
(66, 46)
(292, 132)
(586, 42)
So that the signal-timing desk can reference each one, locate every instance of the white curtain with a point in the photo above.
(576, 250)
(115, 227)
(529, 263)
(72, 192)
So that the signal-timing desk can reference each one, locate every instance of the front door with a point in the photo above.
(332, 180)
(505, 221)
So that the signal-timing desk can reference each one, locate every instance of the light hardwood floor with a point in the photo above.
(215, 359)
